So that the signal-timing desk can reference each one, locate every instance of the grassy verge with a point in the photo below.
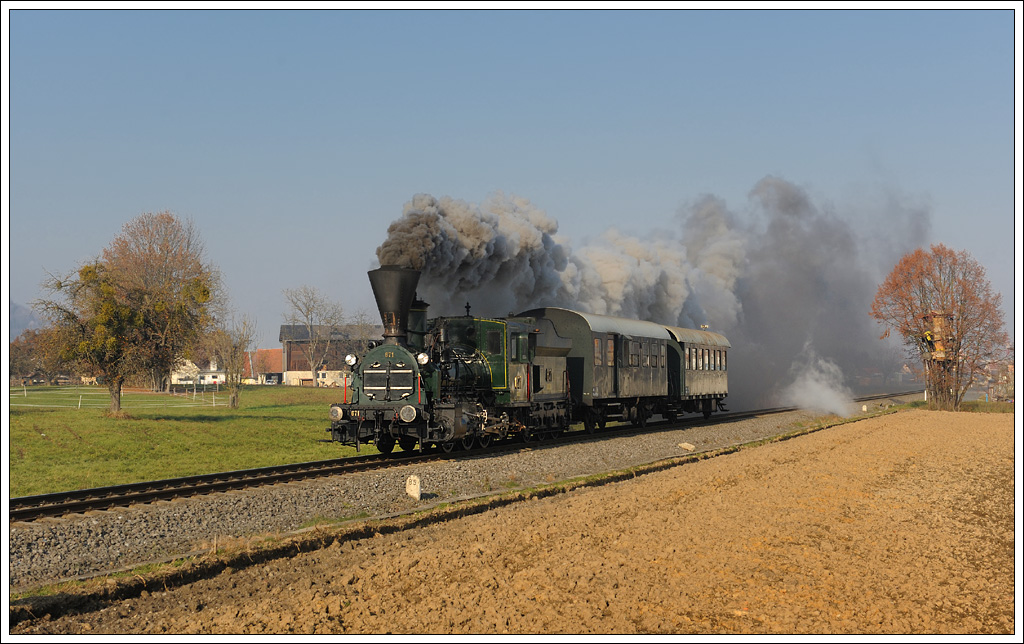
(972, 406)
(55, 449)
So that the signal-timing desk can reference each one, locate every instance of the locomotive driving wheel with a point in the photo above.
(386, 444)
(447, 447)
(484, 440)
(407, 443)
(467, 442)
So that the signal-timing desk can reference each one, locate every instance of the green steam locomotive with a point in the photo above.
(465, 381)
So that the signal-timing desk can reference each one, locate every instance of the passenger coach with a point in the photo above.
(623, 369)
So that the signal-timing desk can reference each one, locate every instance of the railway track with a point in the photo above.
(29, 508)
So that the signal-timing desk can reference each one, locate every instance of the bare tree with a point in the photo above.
(362, 329)
(947, 314)
(231, 343)
(319, 319)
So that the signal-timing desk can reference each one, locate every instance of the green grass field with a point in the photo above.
(57, 446)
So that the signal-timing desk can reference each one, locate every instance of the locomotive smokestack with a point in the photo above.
(394, 288)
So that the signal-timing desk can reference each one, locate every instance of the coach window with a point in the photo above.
(609, 352)
(725, 356)
(645, 359)
(634, 354)
(597, 352)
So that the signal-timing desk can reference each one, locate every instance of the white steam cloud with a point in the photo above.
(817, 385)
(782, 280)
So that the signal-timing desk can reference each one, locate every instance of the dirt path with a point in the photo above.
(899, 524)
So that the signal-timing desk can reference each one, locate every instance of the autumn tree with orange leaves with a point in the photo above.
(138, 309)
(948, 316)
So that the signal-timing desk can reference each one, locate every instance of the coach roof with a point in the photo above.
(693, 336)
(604, 323)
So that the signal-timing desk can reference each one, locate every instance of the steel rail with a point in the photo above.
(29, 508)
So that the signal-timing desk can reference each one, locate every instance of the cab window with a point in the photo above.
(494, 342)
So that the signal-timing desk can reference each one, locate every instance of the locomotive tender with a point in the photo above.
(465, 381)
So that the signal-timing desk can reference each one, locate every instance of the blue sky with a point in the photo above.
(293, 138)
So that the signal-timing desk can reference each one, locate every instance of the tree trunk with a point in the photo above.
(114, 387)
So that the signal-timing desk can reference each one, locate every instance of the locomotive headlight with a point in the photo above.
(337, 413)
(350, 360)
(407, 413)
(422, 358)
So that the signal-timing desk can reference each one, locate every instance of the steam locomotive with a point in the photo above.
(465, 381)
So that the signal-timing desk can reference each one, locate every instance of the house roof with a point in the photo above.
(301, 332)
(270, 358)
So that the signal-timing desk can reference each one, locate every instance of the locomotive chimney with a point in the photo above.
(394, 288)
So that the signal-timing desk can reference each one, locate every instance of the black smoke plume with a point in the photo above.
(788, 281)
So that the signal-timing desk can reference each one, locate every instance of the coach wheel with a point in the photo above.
(634, 416)
(386, 444)
(467, 442)
(589, 425)
(484, 441)
(407, 443)
(707, 409)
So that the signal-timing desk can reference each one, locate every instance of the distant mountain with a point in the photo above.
(23, 317)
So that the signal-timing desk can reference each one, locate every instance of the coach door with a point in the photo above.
(612, 357)
(605, 370)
